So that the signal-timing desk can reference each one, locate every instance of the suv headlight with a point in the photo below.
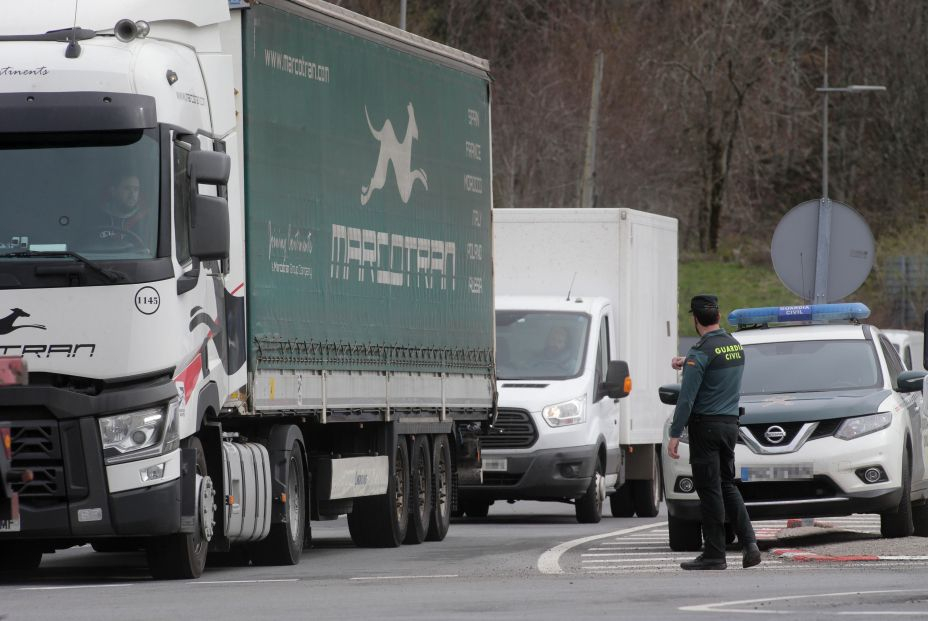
(140, 434)
(862, 425)
(567, 413)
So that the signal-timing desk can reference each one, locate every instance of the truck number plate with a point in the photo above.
(9, 526)
(495, 464)
(776, 473)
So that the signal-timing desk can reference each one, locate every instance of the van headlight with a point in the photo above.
(863, 425)
(567, 413)
(137, 435)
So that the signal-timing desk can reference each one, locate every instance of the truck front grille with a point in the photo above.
(37, 447)
(513, 429)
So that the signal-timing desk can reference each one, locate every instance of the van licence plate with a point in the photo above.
(495, 464)
(798, 472)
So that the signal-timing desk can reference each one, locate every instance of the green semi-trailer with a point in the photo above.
(305, 327)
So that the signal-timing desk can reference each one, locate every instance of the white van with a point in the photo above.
(578, 290)
(910, 345)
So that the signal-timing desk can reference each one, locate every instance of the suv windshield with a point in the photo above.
(93, 193)
(540, 345)
(809, 366)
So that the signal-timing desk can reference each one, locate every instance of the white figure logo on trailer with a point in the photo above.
(399, 153)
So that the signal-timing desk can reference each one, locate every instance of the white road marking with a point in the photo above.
(723, 606)
(405, 577)
(549, 561)
(244, 581)
(76, 586)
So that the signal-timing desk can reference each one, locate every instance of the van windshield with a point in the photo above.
(540, 345)
(809, 366)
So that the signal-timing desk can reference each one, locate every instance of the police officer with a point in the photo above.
(708, 407)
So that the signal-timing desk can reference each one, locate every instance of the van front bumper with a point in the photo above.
(552, 474)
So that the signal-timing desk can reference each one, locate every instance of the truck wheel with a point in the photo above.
(620, 502)
(647, 494)
(920, 520)
(898, 523)
(685, 535)
(441, 489)
(284, 544)
(184, 555)
(381, 521)
(19, 557)
(420, 490)
(589, 507)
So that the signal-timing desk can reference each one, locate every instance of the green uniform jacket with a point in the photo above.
(711, 379)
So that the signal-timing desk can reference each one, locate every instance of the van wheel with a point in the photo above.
(898, 523)
(284, 544)
(183, 555)
(589, 507)
(441, 489)
(420, 491)
(646, 494)
(685, 535)
(620, 502)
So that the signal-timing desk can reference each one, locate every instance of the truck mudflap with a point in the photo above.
(468, 466)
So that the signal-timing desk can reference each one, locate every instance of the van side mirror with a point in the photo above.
(669, 393)
(209, 217)
(618, 382)
(910, 381)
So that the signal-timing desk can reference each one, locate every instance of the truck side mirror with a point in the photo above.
(618, 382)
(910, 381)
(669, 393)
(209, 218)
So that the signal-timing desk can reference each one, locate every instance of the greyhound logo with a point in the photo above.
(399, 154)
(6, 324)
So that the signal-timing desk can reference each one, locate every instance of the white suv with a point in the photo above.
(833, 425)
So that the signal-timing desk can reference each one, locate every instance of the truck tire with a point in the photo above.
(898, 523)
(646, 494)
(381, 521)
(620, 501)
(183, 555)
(284, 544)
(589, 507)
(685, 535)
(19, 557)
(920, 520)
(420, 490)
(441, 489)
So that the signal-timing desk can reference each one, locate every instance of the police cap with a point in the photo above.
(704, 302)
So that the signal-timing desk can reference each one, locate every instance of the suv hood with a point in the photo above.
(811, 406)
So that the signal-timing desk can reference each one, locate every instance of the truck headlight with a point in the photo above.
(140, 434)
(862, 425)
(567, 413)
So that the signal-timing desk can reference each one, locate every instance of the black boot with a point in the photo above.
(751, 555)
(701, 562)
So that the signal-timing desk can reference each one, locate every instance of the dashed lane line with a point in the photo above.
(725, 606)
(432, 577)
(550, 561)
(73, 586)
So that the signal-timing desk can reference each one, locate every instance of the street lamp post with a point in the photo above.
(824, 210)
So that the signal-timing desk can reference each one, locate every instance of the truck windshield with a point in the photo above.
(540, 345)
(809, 366)
(93, 193)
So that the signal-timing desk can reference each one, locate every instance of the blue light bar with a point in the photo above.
(849, 311)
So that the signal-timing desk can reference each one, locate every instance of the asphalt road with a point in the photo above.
(525, 561)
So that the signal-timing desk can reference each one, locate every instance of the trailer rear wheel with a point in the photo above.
(441, 489)
(420, 490)
(381, 521)
(284, 544)
(19, 557)
(184, 555)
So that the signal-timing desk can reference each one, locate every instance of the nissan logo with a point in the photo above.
(775, 434)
